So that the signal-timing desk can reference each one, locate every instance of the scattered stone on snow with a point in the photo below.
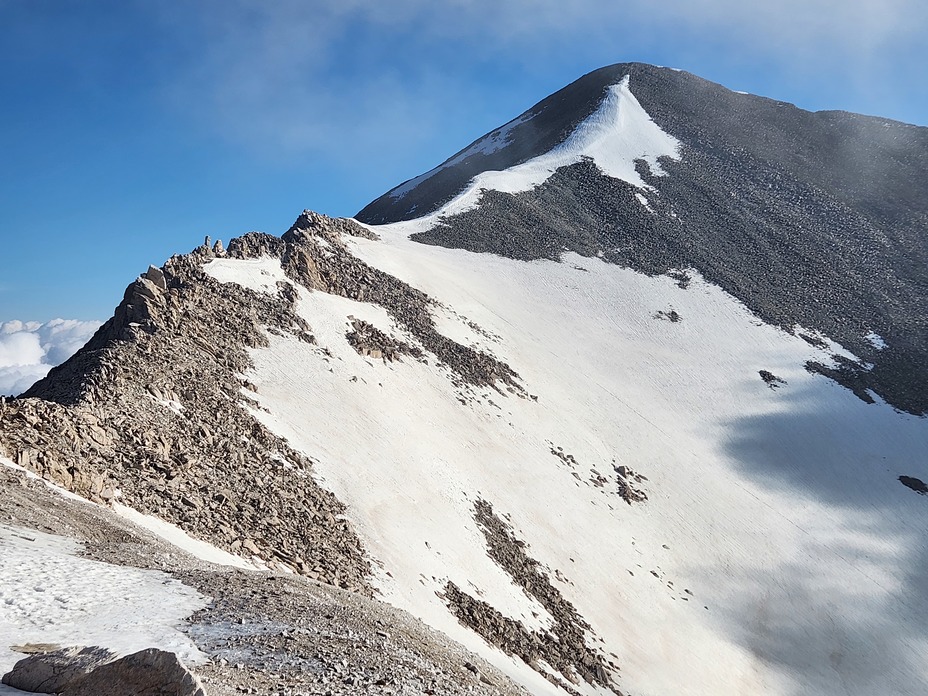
(770, 379)
(563, 646)
(915, 484)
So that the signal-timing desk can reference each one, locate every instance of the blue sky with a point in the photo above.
(130, 129)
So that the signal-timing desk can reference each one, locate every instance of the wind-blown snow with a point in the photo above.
(778, 509)
(617, 135)
(50, 595)
(487, 145)
(28, 350)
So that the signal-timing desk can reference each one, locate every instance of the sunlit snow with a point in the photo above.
(778, 509)
(48, 594)
(487, 145)
(617, 135)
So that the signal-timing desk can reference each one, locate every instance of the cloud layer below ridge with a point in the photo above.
(28, 350)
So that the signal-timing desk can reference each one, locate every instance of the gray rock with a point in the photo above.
(150, 672)
(148, 289)
(52, 672)
(156, 276)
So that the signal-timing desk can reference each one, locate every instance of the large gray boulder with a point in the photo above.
(97, 672)
(150, 672)
(51, 672)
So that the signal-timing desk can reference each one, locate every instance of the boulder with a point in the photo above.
(156, 276)
(52, 672)
(150, 672)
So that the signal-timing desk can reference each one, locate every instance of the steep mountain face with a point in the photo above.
(633, 406)
(811, 219)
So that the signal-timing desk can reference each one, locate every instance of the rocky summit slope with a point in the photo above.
(620, 399)
(810, 219)
(152, 406)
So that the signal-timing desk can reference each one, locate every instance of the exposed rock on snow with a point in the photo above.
(96, 671)
(367, 339)
(771, 380)
(54, 672)
(564, 647)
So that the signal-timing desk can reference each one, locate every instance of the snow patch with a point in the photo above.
(48, 594)
(179, 538)
(261, 274)
(875, 340)
(644, 201)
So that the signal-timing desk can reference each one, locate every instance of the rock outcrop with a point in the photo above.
(53, 672)
(95, 671)
(155, 409)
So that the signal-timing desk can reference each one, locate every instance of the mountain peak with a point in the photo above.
(656, 169)
(641, 381)
(548, 126)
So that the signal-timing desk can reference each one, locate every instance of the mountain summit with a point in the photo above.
(814, 220)
(627, 397)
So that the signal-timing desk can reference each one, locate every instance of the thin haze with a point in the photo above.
(132, 128)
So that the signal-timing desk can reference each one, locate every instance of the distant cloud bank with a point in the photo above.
(28, 350)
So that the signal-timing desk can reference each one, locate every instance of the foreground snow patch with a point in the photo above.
(48, 594)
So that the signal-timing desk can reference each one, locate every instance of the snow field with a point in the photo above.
(776, 554)
(779, 561)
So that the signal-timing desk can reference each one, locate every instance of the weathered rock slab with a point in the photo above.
(150, 672)
(51, 672)
(95, 671)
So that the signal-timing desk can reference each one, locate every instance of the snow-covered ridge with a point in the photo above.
(487, 145)
(618, 134)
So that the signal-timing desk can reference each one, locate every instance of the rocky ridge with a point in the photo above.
(262, 632)
(155, 411)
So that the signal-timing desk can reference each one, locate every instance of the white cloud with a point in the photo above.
(293, 77)
(28, 350)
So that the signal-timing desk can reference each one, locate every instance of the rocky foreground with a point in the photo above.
(261, 632)
(154, 413)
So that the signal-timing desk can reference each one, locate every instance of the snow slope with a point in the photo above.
(776, 554)
(485, 146)
(618, 134)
